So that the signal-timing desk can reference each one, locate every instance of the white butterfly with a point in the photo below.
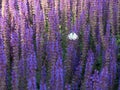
(72, 36)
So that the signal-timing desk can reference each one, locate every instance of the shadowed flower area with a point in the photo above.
(59, 44)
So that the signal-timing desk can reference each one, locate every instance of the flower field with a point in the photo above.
(59, 44)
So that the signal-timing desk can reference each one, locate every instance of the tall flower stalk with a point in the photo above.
(3, 64)
(22, 5)
(6, 38)
(54, 57)
(88, 71)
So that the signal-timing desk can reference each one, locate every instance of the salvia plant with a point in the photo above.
(59, 44)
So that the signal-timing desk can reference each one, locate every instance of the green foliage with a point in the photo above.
(118, 56)
(98, 64)
(80, 43)
(63, 42)
(118, 44)
(118, 39)
(91, 42)
(37, 78)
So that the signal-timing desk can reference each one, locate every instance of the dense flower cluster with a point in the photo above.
(59, 45)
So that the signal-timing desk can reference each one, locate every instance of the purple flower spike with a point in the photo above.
(3, 63)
